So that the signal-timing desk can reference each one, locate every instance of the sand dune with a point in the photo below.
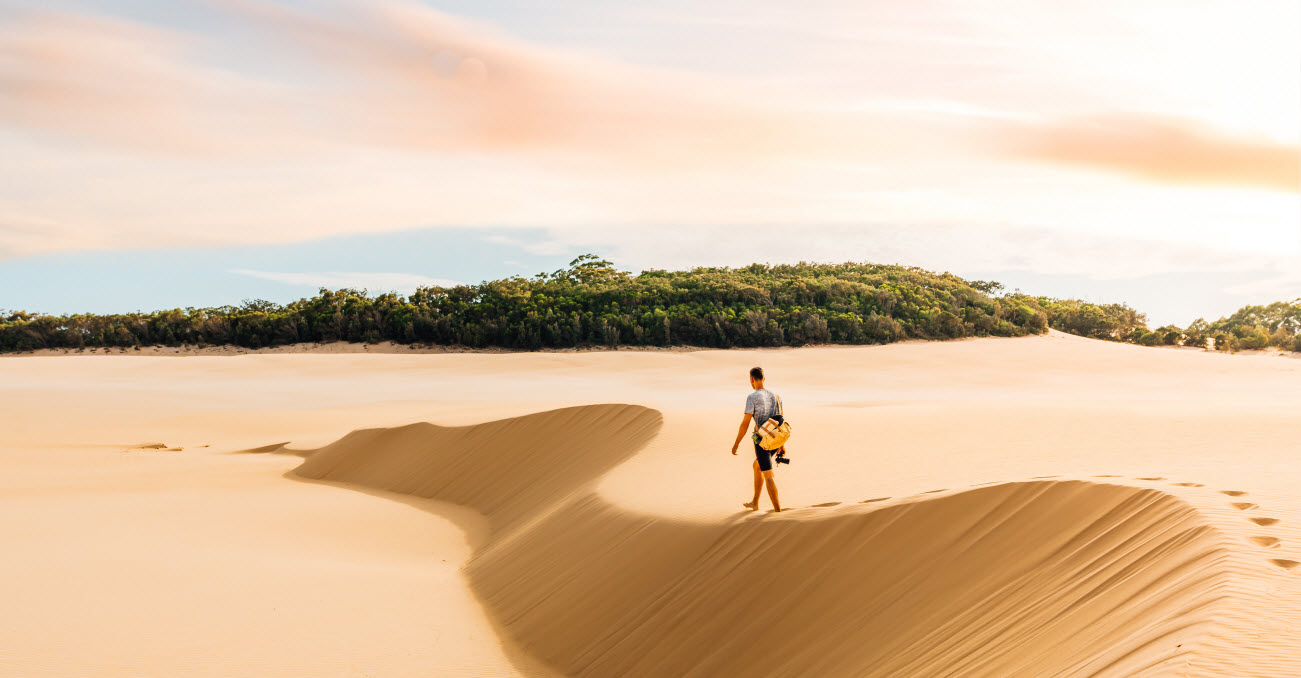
(1046, 506)
(508, 470)
(925, 589)
(1016, 579)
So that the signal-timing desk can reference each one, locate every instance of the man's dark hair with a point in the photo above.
(756, 373)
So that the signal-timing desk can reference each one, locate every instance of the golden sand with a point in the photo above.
(1039, 506)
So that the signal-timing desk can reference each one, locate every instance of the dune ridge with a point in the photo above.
(1028, 578)
(507, 470)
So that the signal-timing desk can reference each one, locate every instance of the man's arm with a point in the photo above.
(745, 424)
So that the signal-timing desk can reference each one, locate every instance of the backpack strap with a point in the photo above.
(779, 404)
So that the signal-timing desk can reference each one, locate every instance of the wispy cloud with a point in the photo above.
(403, 117)
(400, 282)
(1160, 148)
(396, 74)
(137, 86)
(380, 116)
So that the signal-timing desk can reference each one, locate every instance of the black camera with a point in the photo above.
(781, 458)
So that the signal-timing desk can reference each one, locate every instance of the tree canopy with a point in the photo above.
(589, 303)
(593, 303)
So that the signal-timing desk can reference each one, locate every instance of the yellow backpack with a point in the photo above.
(776, 431)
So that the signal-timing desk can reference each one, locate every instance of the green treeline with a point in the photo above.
(591, 303)
(1251, 327)
(588, 304)
(1278, 324)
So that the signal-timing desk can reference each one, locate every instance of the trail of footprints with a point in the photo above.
(1263, 541)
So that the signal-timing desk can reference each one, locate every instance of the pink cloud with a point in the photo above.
(281, 124)
(394, 75)
(129, 84)
(1160, 149)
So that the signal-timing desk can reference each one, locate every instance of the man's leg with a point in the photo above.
(772, 491)
(758, 484)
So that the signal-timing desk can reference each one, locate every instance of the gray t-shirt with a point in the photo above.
(762, 404)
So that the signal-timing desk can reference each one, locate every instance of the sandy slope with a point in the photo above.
(1038, 506)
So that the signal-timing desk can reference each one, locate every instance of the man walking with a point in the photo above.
(760, 406)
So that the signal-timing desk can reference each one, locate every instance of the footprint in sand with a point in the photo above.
(1244, 505)
(1264, 522)
(1233, 493)
(1284, 563)
(826, 505)
(153, 446)
(1265, 541)
(1151, 479)
(1189, 485)
(869, 501)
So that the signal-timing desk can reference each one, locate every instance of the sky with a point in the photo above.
(159, 154)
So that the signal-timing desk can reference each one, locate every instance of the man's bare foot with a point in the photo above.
(776, 510)
(752, 505)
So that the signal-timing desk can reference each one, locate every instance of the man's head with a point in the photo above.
(756, 377)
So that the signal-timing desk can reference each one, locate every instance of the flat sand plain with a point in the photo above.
(1041, 506)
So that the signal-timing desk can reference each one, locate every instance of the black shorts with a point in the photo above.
(764, 457)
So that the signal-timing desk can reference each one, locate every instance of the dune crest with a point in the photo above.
(508, 470)
(1041, 577)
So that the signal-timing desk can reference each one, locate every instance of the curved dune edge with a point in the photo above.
(1034, 578)
(509, 470)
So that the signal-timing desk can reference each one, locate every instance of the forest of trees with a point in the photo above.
(591, 303)
(1251, 327)
(1277, 325)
